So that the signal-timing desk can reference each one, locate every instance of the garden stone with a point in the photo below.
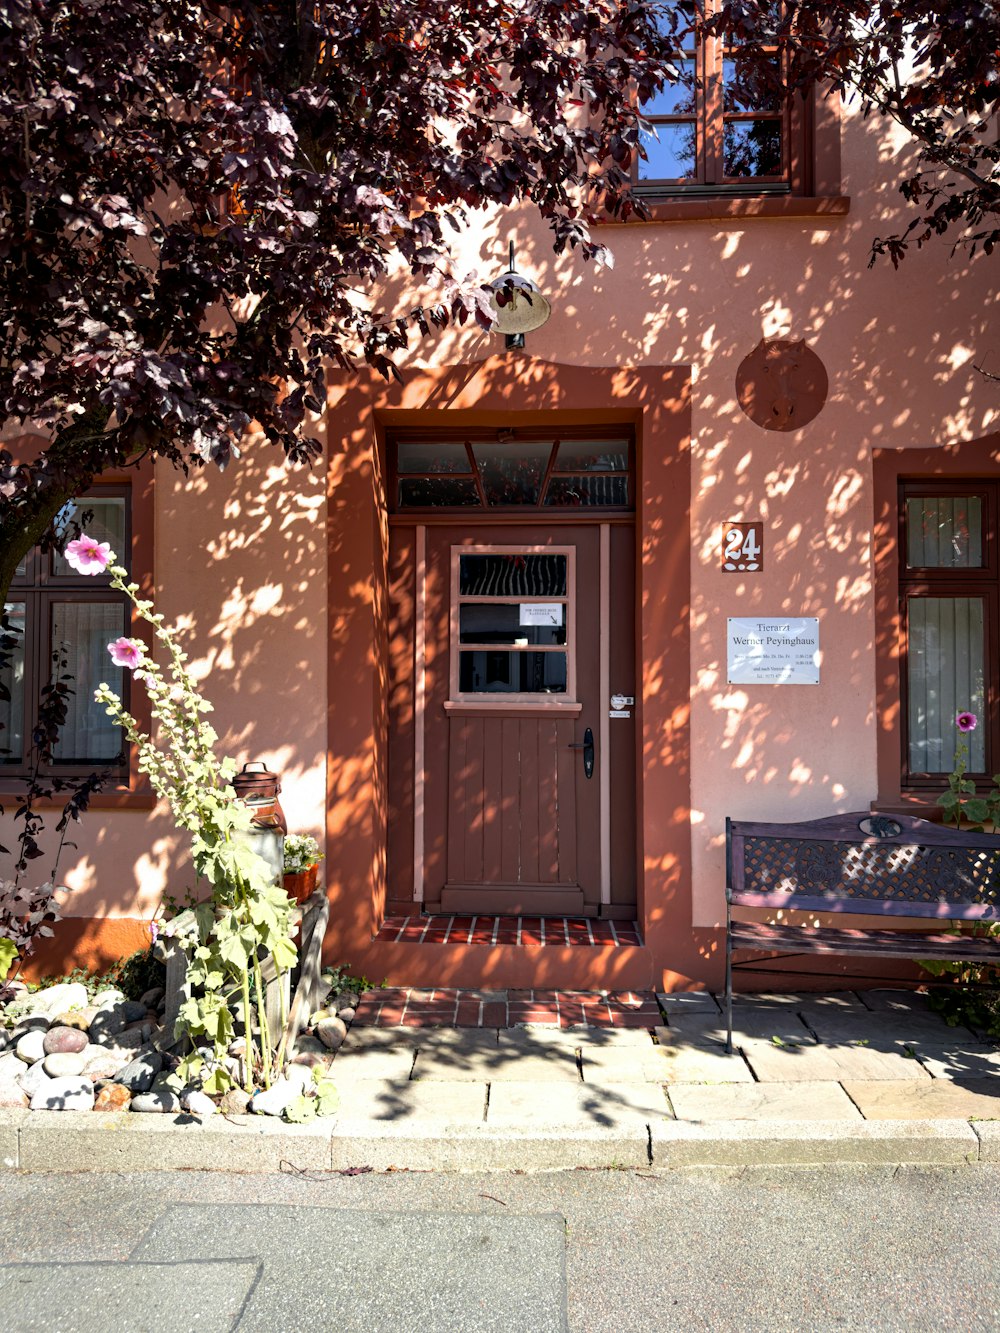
(165, 1102)
(33, 1078)
(59, 1040)
(109, 996)
(126, 1042)
(113, 1097)
(107, 1023)
(134, 1010)
(4, 1040)
(31, 1047)
(65, 1064)
(65, 1094)
(74, 1018)
(56, 999)
(151, 999)
(234, 1102)
(139, 1074)
(347, 999)
(273, 1100)
(103, 1066)
(300, 1075)
(11, 1092)
(197, 1102)
(347, 1015)
(30, 1023)
(237, 1047)
(331, 1032)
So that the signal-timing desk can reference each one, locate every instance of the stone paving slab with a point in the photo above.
(763, 1101)
(563, 1105)
(969, 1060)
(895, 1000)
(690, 1061)
(792, 1064)
(630, 1065)
(678, 1143)
(544, 1065)
(125, 1141)
(95, 1297)
(884, 1029)
(440, 1272)
(689, 1002)
(391, 1062)
(767, 1021)
(392, 1100)
(928, 1099)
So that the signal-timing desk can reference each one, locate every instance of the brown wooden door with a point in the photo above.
(503, 638)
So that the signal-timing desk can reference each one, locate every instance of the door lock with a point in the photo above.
(587, 746)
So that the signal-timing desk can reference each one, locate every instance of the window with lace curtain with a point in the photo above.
(950, 613)
(64, 622)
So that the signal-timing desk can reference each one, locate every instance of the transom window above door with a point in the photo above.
(505, 470)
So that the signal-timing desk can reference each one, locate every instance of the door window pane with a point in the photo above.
(434, 492)
(432, 456)
(512, 473)
(588, 491)
(944, 532)
(502, 575)
(83, 630)
(592, 456)
(489, 672)
(12, 677)
(504, 622)
(103, 518)
(946, 676)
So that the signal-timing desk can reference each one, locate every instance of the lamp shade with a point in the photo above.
(524, 309)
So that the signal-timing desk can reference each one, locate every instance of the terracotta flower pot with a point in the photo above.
(302, 885)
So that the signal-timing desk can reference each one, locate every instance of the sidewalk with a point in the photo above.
(867, 1077)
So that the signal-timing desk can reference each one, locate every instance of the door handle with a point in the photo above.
(587, 746)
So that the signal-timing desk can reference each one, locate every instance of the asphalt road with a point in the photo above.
(805, 1248)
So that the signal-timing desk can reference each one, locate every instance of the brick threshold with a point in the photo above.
(519, 931)
(406, 1006)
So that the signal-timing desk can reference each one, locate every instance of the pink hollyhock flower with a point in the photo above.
(88, 556)
(126, 653)
(154, 930)
(966, 721)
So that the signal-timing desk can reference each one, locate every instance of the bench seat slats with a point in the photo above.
(874, 943)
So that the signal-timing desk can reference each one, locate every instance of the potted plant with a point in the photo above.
(302, 858)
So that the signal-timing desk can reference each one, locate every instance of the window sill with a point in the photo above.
(721, 208)
(115, 798)
(475, 709)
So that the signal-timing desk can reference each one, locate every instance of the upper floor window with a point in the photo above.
(64, 622)
(717, 128)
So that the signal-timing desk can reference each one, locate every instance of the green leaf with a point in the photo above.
(948, 800)
(327, 1096)
(8, 952)
(300, 1110)
(977, 810)
(219, 1080)
(284, 953)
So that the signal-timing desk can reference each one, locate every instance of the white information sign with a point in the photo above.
(773, 650)
(541, 613)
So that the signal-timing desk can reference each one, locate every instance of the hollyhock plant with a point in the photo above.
(87, 555)
(960, 803)
(248, 916)
(966, 721)
(126, 652)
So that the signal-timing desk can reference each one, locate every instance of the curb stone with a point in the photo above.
(408, 1147)
(678, 1143)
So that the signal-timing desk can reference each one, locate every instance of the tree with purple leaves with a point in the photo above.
(200, 204)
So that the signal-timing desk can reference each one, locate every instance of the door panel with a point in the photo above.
(511, 822)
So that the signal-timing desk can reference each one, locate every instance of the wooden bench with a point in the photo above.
(869, 864)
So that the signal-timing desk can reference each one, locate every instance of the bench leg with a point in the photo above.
(729, 992)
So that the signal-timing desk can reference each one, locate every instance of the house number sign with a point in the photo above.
(742, 548)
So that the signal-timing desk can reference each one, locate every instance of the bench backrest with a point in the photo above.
(891, 865)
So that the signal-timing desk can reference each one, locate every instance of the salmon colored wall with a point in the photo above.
(242, 559)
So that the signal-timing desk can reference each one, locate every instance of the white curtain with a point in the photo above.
(946, 677)
(85, 629)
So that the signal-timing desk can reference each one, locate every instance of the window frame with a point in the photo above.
(710, 118)
(951, 582)
(936, 470)
(127, 787)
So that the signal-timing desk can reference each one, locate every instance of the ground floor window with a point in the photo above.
(949, 601)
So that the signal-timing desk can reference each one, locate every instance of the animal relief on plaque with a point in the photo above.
(781, 385)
